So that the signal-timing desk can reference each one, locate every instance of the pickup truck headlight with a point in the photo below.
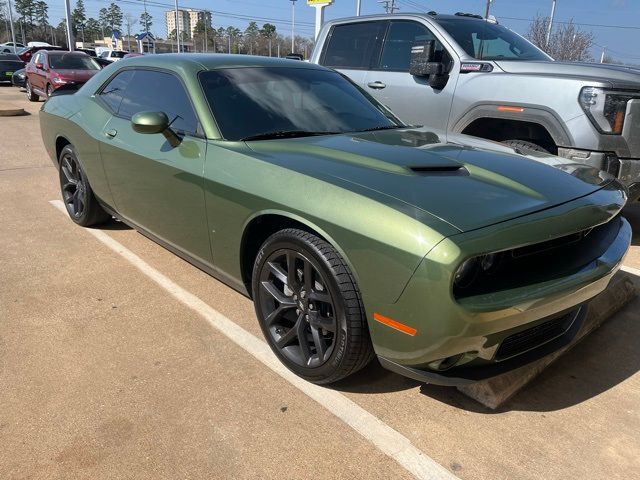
(606, 108)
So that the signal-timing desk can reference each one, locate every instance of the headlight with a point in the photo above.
(470, 269)
(58, 81)
(606, 108)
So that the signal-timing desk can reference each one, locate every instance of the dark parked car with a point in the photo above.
(19, 77)
(48, 71)
(9, 64)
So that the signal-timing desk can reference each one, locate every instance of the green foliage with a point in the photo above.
(146, 20)
(111, 18)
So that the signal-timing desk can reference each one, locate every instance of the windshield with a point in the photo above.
(488, 41)
(72, 62)
(272, 102)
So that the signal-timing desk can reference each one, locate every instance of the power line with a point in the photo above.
(598, 25)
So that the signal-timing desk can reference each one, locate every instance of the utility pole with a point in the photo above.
(206, 40)
(177, 27)
(13, 34)
(70, 39)
(553, 13)
(486, 15)
(389, 5)
(602, 56)
(293, 25)
(358, 7)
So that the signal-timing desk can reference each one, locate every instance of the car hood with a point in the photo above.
(463, 185)
(75, 75)
(611, 74)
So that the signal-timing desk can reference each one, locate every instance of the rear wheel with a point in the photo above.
(31, 96)
(309, 307)
(81, 203)
(521, 146)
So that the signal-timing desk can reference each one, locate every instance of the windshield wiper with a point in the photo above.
(384, 127)
(285, 134)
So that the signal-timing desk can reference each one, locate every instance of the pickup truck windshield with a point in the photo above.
(261, 103)
(488, 41)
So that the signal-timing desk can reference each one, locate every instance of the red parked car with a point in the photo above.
(50, 70)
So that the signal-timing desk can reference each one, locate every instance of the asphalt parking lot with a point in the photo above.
(109, 371)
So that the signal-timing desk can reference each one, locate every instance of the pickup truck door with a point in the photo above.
(409, 97)
(354, 48)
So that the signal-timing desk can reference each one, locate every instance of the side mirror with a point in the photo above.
(422, 64)
(154, 122)
(39, 66)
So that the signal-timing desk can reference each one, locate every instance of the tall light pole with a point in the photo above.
(70, 39)
(177, 27)
(293, 25)
(13, 34)
(553, 13)
(486, 15)
(358, 7)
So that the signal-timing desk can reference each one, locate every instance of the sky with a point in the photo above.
(620, 43)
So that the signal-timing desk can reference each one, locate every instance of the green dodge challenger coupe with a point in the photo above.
(449, 258)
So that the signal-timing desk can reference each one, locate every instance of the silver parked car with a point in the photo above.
(464, 74)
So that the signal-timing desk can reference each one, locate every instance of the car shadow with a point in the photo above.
(601, 361)
(632, 214)
(113, 225)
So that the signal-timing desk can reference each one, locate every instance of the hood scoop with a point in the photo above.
(440, 170)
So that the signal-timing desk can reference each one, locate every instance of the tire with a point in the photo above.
(31, 96)
(78, 198)
(521, 146)
(318, 298)
(49, 91)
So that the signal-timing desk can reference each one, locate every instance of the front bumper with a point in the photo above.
(473, 330)
(627, 170)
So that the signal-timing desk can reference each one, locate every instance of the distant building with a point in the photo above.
(187, 20)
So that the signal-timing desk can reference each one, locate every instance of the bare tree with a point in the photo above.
(567, 42)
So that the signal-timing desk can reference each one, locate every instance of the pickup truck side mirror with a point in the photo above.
(422, 64)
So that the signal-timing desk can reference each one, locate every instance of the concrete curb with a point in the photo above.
(496, 391)
(10, 110)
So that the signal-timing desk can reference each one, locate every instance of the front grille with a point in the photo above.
(533, 337)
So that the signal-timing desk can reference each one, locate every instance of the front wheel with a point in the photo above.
(31, 96)
(81, 203)
(49, 91)
(309, 307)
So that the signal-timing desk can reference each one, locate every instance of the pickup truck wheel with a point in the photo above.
(32, 97)
(521, 146)
(81, 203)
(309, 307)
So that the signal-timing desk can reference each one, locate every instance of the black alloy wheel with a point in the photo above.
(300, 314)
(79, 200)
(309, 307)
(49, 91)
(74, 189)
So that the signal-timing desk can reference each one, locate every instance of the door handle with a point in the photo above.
(111, 133)
(377, 85)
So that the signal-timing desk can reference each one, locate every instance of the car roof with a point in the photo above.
(65, 52)
(213, 61)
(433, 16)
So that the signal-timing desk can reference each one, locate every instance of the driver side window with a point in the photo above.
(135, 91)
(401, 36)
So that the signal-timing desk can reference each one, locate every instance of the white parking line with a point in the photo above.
(386, 439)
(631, 270)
